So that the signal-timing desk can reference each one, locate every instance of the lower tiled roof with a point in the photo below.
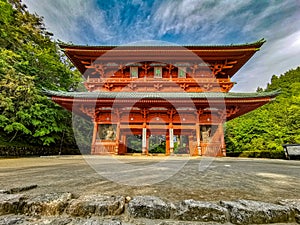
(158, 95)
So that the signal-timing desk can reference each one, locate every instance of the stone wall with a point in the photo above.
(64, 208)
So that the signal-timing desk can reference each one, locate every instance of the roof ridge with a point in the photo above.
(258, 43)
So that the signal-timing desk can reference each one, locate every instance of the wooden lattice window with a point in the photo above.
(181, 72)
(157, 72)
(134, 72)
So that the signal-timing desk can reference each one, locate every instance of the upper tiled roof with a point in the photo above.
(258, 44)
(83, 56)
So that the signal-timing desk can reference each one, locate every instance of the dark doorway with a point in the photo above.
(157, 144)
(134, 143)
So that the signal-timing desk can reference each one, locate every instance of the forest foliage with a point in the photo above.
(269, 127)
(29, 61)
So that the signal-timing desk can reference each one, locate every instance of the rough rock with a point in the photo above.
(51, 204)
(11, 203)
(11, 220)
(128, 199)
(27, 220)
(57, 221)
(97, 222)
(254, 212)
(23, 188)
(150, 207)
(80, 221)
(294, 205)
(97, 205)
(191, 210)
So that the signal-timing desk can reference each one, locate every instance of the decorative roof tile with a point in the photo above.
(159, 95)
(256, 43)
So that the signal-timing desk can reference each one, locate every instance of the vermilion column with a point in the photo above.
(171, 138)
(144, 140)
(191, 145)
(223, 145)
(117, 138)
(168, 144)
(123, 145)
(94, 138)
(198, 138)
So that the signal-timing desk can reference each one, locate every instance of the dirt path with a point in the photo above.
(224, 179)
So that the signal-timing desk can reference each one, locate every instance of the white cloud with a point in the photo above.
(63, 18)
(201, 17)
(278, 57)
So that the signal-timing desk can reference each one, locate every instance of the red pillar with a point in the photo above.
(145, 140)
(93, 150)
(117, 139)
(198, 139)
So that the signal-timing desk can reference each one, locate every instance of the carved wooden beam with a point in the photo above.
(207, 87)
(146, 67)
(88, 111)
(228, 112)
(217, 68)
(108, 86)
(194, 68)
(171, 112)
(117, 113)
(84, 62)
(122, 68)
(158, 86)
(144, 112)
(200, 111)
(132, 86)
(184, 86)
(226, 87)
(98, 68)
(170, 67)
(232, 111)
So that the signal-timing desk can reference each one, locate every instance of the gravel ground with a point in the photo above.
(224, 178)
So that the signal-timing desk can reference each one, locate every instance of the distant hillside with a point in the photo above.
(272, 125)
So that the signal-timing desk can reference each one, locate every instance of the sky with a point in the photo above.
(185, 22)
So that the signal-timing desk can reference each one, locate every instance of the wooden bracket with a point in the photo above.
(158, 86)
(194, 68)
(88, 111)
(218, 68)
(146, 67)
(170, 67)
(144, 112)
(108, 86)
(98, 69)
(228, 112)
(171, 112)
(184, 86)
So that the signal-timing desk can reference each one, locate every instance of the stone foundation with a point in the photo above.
(64, 208)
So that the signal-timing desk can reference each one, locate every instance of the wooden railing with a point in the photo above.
(214, 147)
(104, 147)
(149, 79)
(211, 149)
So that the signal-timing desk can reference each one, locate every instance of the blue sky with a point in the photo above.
(207, 22)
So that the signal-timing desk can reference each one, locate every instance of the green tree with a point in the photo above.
(272, 125)
(29, 61)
